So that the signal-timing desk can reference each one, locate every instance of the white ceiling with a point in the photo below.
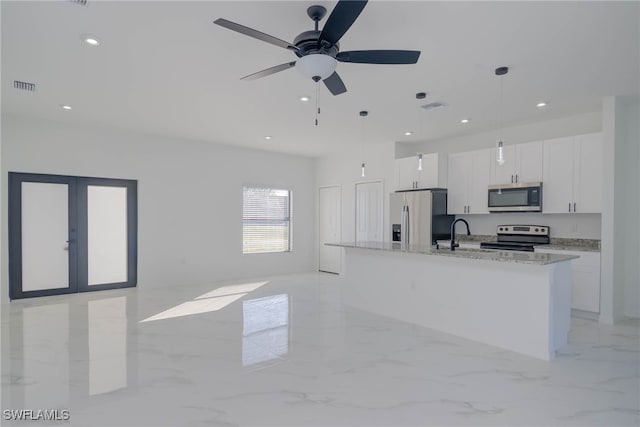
(164, 68)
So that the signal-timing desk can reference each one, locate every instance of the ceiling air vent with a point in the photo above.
(31, 87)
(80, 2)
(433, 105)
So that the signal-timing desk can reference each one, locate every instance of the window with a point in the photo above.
(266, 220)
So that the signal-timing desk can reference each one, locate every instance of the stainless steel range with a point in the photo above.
(519, 237)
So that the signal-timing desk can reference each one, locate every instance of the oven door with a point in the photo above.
(515, 198)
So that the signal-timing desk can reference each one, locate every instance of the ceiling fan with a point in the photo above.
(319, 51)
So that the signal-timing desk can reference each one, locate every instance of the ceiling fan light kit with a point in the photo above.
(319, 51)
(316, 66)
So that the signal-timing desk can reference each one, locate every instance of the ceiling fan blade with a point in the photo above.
(254, 33)
(379, 56)
(335, 84)
(269, 71)
(342, 17)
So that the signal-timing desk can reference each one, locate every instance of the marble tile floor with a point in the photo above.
(285, 351)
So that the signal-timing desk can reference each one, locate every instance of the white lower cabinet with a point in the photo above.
(586, 279)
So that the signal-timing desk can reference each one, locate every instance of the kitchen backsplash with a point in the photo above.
(573, 226)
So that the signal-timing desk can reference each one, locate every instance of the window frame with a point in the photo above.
(289, 220)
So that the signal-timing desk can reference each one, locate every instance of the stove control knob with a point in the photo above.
(537, 229)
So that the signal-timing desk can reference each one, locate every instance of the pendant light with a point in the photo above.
(500, 71)
(363, 114)
(420, 95)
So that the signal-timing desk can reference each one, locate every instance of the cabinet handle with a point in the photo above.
(468, 209)
(512, 179)
(569, 206)
(574, 206)
(516, 177)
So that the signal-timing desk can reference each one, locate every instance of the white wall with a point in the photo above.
(626, 265)
(189, 197)
(343, 169)
(620, 262)
(627, 206)
(583, 226)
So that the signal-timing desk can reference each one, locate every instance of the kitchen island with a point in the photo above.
(520, 301)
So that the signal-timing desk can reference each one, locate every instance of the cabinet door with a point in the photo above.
(557, 190)
(529, 162)
(587, 177)
(459, 166)
(406, 173)
(478, 181)
(505, 173)
(585, 278)
(428, 176)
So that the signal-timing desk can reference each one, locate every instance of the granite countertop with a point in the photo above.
(558, 243)
(463, 253)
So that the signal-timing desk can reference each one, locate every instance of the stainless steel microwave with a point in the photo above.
(521, 197)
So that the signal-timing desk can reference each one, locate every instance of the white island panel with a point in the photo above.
(519, 307)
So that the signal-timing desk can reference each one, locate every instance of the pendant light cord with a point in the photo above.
(317, 101)
(362, 138)
(501, 119)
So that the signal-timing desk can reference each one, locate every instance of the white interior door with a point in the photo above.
(45, 236)
(330, 225)
(369, 212)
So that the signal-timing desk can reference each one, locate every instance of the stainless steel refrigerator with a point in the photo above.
(420, 217)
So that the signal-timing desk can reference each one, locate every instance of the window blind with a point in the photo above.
(266, 220)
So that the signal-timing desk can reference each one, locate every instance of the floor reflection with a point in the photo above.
(54, 353)
(107, 345)
(265, 331)
(45, 356)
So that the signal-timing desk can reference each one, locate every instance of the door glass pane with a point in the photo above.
(106, 234)
(45, 231)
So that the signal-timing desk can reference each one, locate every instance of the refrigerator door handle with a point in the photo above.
(404, 227)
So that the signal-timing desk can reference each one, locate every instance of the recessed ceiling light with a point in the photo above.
(408, 133)
(66, 107)
(91, 40)
(267, 137)
(465, 120)
(541, 104)
(304, 98)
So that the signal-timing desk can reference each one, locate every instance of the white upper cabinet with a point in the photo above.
(572, 174)
(459, 167)
(408, 177)
(468, 182)
(523, 163)
(557, 184)
(588, 174)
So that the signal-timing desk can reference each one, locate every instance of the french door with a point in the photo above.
(71, 234)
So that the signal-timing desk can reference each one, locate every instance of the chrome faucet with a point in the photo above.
(454, 245)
